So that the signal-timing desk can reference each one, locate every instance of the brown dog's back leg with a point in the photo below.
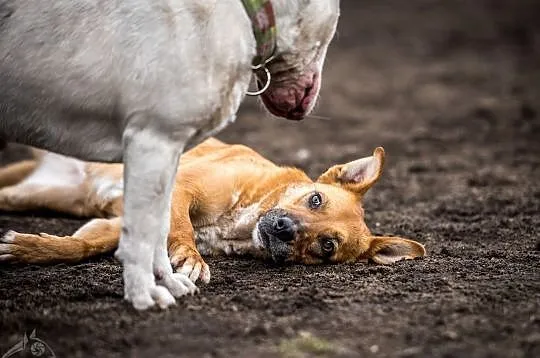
(23, 197)
(16, 172)
(50, 181)
(99, 236)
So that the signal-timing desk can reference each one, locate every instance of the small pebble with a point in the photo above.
(450, 335)
(303, 154)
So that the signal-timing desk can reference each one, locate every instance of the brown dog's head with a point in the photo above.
(304, 31)
(323, 222)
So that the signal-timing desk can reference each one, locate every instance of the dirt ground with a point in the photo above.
(451, 89)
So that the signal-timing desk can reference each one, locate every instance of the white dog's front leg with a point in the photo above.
(150, 161)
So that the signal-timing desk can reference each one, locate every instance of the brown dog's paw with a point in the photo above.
(7, 247)
(188, 261)
(40, 249)
(20, 248)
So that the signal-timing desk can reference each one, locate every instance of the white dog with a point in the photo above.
(138, 80)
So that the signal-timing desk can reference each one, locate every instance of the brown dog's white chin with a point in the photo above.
(256, 238)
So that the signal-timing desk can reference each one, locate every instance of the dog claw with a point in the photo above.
(9, 237)
(178, 284)
(189, 263)
(141, 290)
(195, 270)
(187, 282)
(6, 257)
(205, 274)
(6, 247)
(162, 297)
(141, 302)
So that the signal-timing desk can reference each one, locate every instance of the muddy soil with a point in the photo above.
(451, 89)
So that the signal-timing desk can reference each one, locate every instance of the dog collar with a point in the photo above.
(261, 14)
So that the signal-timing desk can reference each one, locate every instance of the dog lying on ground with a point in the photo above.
(139, 80)
(227, 199)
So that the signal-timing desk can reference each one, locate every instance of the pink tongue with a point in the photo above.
(309, 94)
(306, 102)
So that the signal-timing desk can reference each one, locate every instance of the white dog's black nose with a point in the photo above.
(284, 228)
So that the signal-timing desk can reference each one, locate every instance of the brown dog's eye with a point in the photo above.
(328, 246)
(315, 201)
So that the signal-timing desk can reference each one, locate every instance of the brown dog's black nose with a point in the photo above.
(284, 229)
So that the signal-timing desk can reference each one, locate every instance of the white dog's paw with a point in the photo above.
(178, 284)
(157, 295)
(141, 290)
(162, 297)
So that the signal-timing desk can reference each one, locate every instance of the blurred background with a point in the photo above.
(451, 90)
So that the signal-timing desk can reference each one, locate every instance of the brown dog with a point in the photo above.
(227, 200)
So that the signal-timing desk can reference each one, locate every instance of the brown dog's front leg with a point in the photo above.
(183, 252)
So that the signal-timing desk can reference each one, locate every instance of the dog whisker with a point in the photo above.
(311, 116)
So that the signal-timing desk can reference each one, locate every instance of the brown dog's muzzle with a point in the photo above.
(278, 232)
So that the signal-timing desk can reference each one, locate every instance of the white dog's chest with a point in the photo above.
(229, 234)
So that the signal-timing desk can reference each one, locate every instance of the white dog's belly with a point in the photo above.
(92, 141)
(86, 131)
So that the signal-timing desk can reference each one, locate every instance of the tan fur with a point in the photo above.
(221, 191)
(17, 172)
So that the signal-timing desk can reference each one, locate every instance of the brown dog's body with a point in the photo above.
(227, 200)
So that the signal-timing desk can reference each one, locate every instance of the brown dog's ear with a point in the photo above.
(387, 250)
(357, 176)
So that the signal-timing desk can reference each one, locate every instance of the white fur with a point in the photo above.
(234, 198)
(227, 234)
(56, 170)
(6, 246)
(9, 237)
(256, 238)
(108, 188)
(245, 218)
(295, 191)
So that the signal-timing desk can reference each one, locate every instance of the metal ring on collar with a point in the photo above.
(266, 85)
(263, 64)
